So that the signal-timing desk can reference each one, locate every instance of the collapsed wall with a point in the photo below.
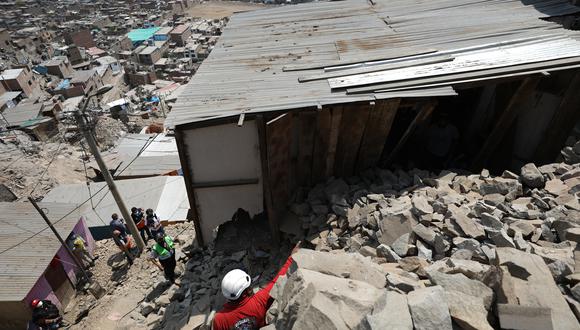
(416, 250)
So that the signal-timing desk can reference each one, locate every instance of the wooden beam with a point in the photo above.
(419, 119)
(377, 130)
(272, 218)
(563, 121)
(335, 122)
(225, 183)
(186, 168)
(321, 145)
(507, 118)
(307, 129)
(354, 120)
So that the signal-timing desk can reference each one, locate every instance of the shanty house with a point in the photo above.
(291, 96)
(33, 263)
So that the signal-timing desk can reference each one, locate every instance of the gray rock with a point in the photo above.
(426, 234)
(421, 205)
(466, 243)
(359, 268)
(391, 311)
(386, 252)
(423, 251)
(403, 283)
(520, 317)
(467, 311)
(500, 238)
(575, 290)
(429, 309)
(560, 270)
(368, 251)
(491, 221)
(523, 226)
(146, 308)
(531, 176)
(394, 226)
(462, 254)
(401, 244)
(315, 300)
(469, 226)
(520, 242)
(461, 283)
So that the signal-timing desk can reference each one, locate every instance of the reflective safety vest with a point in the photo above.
(161, 251)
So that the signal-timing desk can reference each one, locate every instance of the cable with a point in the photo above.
(50, 162)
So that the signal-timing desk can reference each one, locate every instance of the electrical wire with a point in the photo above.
(62, 139)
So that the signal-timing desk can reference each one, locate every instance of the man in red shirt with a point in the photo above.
(244, 310)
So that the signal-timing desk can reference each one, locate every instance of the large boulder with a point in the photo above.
(531, 176)
(312, 300)
(390, 312)
(461, 283)
(350, 265)
(429, 309)
(527, 282)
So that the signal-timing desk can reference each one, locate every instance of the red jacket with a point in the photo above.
(251, 310)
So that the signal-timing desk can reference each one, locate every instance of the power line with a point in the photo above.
(50, 162)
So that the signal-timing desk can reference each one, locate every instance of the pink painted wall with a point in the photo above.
(42, 289)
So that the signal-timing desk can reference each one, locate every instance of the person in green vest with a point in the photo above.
(163, 255)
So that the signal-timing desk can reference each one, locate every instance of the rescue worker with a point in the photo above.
(119, 225)
(243, 309)
(45, 314)
(163, 255)
(139, 219)
(79, 248)
(153, 223)
(124, 245)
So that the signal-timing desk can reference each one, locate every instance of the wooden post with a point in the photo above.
(513, 109)
(562, 122)
(420, 118)
(62, 242)
(272, 217)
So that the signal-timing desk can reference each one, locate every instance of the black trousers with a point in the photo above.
(144, 230)
(169, 267)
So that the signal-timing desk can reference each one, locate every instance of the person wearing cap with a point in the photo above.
(163, 255)
(243, 309)
(45, 314)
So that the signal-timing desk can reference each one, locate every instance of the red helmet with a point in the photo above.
(36, 303)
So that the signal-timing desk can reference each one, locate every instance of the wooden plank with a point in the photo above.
(514, 107)
(335, 123)
(272, 218)
(354, 120)
(279, 140)
(563, 121)
(375, 135)
(421, 117)
(321, 145)
(187, 176)
(307, 129)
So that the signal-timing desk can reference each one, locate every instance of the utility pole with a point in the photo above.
(83, 127)
(73, 256)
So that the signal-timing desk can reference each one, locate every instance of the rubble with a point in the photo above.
(450, 261)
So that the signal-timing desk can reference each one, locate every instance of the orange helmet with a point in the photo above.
(36, 303)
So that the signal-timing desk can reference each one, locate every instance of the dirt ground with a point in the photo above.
(219, 9)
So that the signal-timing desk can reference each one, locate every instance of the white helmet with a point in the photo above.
(234, 284)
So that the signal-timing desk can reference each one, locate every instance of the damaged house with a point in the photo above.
(292, 96)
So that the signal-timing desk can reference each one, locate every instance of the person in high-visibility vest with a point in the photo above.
(163, 255)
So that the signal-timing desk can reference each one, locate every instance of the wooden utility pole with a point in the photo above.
(67, 248)
(83, 127)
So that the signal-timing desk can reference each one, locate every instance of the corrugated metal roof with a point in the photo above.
(20, 267)
(164, 194)
(261, 55)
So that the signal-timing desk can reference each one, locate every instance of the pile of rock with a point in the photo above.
(432, 252)
(571, 153)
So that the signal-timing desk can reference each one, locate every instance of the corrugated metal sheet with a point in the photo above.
(164, 194)
(20, 267)
(261, 55)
